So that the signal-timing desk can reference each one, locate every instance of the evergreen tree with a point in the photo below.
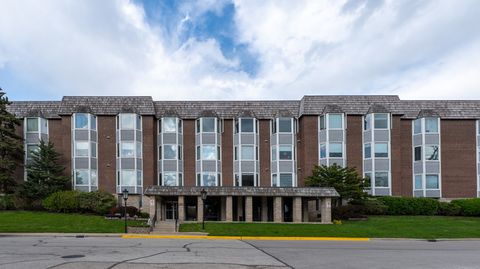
(11, 146)
(345, 180)
(44, 174)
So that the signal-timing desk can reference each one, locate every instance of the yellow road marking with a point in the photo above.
(297, 238)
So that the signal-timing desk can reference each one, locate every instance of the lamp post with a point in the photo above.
(125, 198)
(204, 197)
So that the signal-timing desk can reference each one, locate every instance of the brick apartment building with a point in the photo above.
(252, 156)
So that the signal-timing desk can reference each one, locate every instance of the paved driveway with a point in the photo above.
(97, 252)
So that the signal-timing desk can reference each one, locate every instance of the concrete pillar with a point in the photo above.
(181, 208)
(326, 210)
(240, 208)
(223, 208)
(248, 209)
(277, 209)
(305, 210)
(297, 209)
(199, 208)
(264, 209)
(153, 207)
(159, 202)
(228, 208)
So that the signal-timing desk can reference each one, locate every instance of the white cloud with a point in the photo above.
(427, 49)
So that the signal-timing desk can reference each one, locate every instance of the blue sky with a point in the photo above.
(236, 49)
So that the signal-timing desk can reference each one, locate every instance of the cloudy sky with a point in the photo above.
(267, 49)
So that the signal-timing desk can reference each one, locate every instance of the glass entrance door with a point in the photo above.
(171, 210)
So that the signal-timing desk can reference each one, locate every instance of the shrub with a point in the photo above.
(346, 212)
(131, 211)
(469, 207)
(62, 201)
(6, 202)
(98, 202)
(375, 207)
(410, 206)
(143, 215)
(448, 209)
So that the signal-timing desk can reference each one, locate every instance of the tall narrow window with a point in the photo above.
(335, 121)
(381, 121)
(381, 150)
(32, 124)
(336, 150)
(418, 153)
(285, 125)
(431, 153)
(368, 151)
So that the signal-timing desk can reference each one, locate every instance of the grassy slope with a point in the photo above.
(26, 221)
(375, 227)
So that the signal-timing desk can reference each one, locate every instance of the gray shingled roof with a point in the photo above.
(309, 105)
(227, 109)
(107, 105)
(44, 109)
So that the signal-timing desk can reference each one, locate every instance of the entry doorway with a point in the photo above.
(171, 210)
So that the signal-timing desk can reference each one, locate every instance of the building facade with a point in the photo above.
(252, 157)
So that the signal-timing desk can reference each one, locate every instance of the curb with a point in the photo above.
(76, 235)
(266, 238)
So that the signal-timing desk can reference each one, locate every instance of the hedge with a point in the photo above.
(469, 207)
(97, 202)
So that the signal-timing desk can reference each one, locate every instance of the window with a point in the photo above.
(323, 151)
(81, 121)
(368, 150)
(209, 179)
(180, 179)
(368, 180)
(285, 152)
(198, 126)
(274, 180)
(418, 182)
(209, 152)
(81, 177)
(274, 153)
(335, 150)
(274, 126)
(218, 153)
(237, 181)
(199, 151)
(418, 153)
(169, 179)
(208, 125)
(431, 125)
(381, 150)
(32, 124)
(367, 122)
(235, 153)
(139, 125)
(417, 126)
(247, 153)
(248, 180)
(247, 125)
(381, 179)
(159, 152)
(81, 149)
(127, 121)
(127, 150)
(169, 152)
(285, 180)
(31, 149)
(93, 122)
(94, 149)
(169, 125)
(431, 182)
(180, 153)
(128, 177)
(139, 149)
(431, 153)
(93, 178)
(180, 126)
(381, 121)
(335, 121)
(285, 125)
(322, 122)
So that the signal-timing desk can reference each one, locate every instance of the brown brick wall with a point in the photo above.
(458, 158)
(189, 175)
(227, 153)
(396, 155)
(307, 146)
(149, 129)
(107, 153)
(354, 143)
(405, 182)
(264, 144)
(60, 134)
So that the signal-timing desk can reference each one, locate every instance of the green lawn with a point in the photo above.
(428, 227)
(43, 222)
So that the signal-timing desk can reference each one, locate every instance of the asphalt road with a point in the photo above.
(97, 252)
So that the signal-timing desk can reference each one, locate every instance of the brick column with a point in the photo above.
(264, 209)
(240, 208)
(326, 210)
(228, 209)
(199, 208)
(153, 207)
(181, 208)
(248, 209)
(277, 209)
(297, 209)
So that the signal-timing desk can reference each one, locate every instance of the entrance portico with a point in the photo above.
(274, 204)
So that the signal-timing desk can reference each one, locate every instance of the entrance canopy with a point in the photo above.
(318, 192)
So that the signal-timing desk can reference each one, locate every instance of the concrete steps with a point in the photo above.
(164, 227)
